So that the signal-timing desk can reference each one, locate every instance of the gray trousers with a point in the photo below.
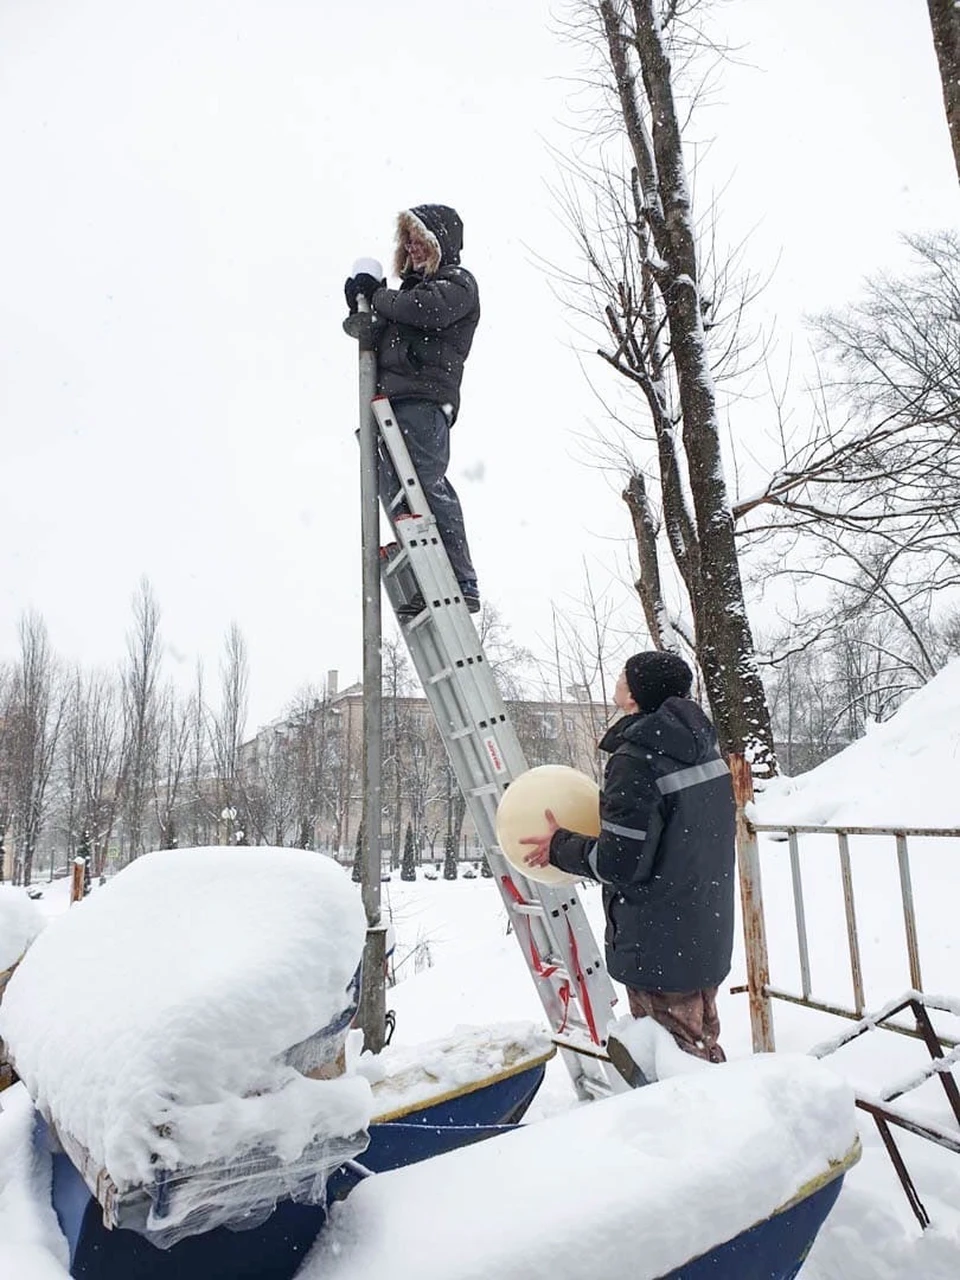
(426, 432)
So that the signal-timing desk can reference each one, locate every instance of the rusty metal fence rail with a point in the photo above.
(758, 980)
(762, 992)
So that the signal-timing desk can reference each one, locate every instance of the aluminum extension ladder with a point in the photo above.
(548, 921)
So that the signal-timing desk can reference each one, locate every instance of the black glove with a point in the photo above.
(363, 283)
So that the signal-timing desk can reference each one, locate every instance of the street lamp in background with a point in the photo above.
(229, 816)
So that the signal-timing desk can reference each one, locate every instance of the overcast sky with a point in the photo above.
(186, 184)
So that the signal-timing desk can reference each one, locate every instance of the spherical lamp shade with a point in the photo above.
(572, 797)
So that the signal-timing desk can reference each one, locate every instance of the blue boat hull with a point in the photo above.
(275, 1249)
(773, 1249)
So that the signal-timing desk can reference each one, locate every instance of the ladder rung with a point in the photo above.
(586, 1049)
(527, 908)
(599, 1088)
(395, 562)
(445, 674)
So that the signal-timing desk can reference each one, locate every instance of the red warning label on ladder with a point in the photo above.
(496, 759)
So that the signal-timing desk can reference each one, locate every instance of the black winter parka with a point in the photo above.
(429, 322)
(666, 851)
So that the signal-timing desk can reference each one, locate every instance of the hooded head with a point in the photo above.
(437, 229)
(653, 677)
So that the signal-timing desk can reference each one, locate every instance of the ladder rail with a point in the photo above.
(549, 922)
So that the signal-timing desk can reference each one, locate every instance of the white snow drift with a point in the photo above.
(151, 1020)
(634, 1185)
(20, 922)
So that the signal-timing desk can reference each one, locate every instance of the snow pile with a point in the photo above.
(904, 772)
(654, 1049)
(20, 922)
(631, 1186)
(31, 1242)
(405, 1077)
(152, 1022)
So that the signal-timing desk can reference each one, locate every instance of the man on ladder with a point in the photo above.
(425, 576)
(424, 334)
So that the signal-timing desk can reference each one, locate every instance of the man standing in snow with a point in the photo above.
(665, 857)
(425, 333)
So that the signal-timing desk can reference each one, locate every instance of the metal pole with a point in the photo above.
(751, 901)
(909, 918)
(372, 1014)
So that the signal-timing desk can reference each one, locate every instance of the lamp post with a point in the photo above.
(228, 815)
(373, 1000)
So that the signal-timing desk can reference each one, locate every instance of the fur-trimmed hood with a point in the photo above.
(440, 227)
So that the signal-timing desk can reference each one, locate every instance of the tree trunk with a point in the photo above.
(945, 21)
(723, 640)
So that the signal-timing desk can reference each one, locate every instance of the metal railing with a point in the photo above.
(762, 992)
(758, 965)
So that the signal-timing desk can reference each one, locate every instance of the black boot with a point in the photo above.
(620, 1056)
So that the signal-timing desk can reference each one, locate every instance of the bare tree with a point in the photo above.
(267, 785)
(426, 778)
(397, 681)
(90, 759)
(945, 21)
(140, 677)
(228, 725)
(36, 712)
(509, 662)
(313, 770)
(174, 717)
(641, 250)
(348, 763)
(869, 506)
(200, 800)
(6, 728)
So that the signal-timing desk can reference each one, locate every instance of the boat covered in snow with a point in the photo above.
(184, 1035)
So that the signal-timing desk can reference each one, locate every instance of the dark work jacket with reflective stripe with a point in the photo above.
(665, 855)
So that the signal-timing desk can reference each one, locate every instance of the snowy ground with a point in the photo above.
(455, 964)
(872, 1233)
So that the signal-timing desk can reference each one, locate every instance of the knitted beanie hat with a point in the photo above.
(653, 677)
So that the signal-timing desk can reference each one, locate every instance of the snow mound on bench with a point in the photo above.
(151, 1020)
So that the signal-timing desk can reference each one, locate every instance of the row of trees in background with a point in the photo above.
(106, 765)
(109, 764)
(100, 759)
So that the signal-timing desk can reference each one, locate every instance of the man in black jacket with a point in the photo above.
(665, 856)
(426, 331)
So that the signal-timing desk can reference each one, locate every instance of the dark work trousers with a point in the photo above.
(426, 432)
(690, 1016)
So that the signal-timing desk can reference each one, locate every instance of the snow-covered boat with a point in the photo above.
(429, 1116)
(191, 1074)
(184, 1037)
(635, 1182)
(721, 1174)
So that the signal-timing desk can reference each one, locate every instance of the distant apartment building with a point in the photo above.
(308, 772)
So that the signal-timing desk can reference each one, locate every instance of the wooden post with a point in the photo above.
(751, 901)
(76, 880)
